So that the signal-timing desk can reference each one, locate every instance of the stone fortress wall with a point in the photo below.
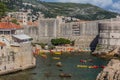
(85, 34)
(109, 33)
(16, 58)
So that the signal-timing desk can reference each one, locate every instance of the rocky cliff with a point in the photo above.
(111, 71)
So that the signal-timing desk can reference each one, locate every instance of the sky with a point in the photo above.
(112, 5)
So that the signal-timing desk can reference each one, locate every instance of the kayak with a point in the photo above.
(83, 61)
(57, 58)
(82, 66)
(92, 67)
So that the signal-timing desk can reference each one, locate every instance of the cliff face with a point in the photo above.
(111, 72)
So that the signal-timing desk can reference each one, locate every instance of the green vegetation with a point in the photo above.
(43, 45)
(14, 21)
(51, 10)
(80, 11)
(60, 41)
(3, 9)
(13, 5)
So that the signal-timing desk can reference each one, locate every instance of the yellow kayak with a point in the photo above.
(58, 52)
(82, 66)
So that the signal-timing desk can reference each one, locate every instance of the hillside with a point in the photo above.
(81, 11)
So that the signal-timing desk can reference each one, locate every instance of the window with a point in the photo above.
(7, 32)
(76, 30)
(1, 32)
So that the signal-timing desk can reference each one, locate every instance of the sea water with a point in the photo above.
(46, 69)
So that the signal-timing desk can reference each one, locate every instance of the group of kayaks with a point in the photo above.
(87, 66)
(94, 66)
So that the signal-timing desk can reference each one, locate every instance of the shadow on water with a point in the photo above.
(46, 69)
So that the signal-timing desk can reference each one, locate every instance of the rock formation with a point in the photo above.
(111, 71)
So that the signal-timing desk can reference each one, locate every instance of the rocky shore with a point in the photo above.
(111, 71)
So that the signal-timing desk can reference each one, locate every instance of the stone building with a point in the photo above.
(22, 17)
(45, 31)
(109, 35)
(14, 47)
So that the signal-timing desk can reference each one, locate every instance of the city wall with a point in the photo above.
(85, 34)
(16, 58)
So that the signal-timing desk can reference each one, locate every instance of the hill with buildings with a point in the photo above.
(81, 11)
(77, 10)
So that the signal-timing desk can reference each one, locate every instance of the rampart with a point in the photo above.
(85, 34)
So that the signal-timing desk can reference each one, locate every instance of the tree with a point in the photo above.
(14, 21)
(60, 41)
(3, 9)
(13, 5)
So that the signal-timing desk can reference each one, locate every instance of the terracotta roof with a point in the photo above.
(2, 44)
(35, 23)
(30, 23)
(9, 25)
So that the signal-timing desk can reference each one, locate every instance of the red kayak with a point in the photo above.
(83, 61)
(102, 66)
(95, 66)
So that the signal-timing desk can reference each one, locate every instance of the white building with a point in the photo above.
(20, 16)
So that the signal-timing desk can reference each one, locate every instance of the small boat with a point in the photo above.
(82, 66)
(83, 61)
(90, 60)
(102, 66)
(85, 66)
(94, 67)
(59, 64)
(57, 58)
(90, 67)
(65, 75)
(57, 52)
(44, 56)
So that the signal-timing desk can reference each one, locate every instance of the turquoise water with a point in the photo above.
(46, 69)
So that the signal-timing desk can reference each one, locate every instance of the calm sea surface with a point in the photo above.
(46, 69)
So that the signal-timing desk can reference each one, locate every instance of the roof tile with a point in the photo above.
(2, 44)
(9, 25)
